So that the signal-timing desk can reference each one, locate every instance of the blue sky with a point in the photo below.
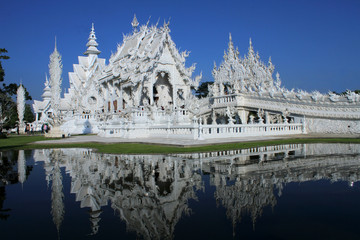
(315, 45)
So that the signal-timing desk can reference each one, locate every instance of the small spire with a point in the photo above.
(92, 44)
(251, 52)
(55, 49)
(230, 38)
(47, 84)
(47, 92)
(135, 23)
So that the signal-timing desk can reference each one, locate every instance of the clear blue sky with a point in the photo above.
(315, 45)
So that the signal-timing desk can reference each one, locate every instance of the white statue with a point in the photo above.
(163, 93)
(316, 96)
(333, 97)
(261, 114)
(352, 96)
(230, 114)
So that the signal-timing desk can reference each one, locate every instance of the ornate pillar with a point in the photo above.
(106, 96)
(243, 114)
(120, 103)
(151, 91)
(174, 93)
(267, 117)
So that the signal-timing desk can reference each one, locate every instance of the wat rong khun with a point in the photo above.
(147, 91)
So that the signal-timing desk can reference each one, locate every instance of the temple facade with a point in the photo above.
(146, 90)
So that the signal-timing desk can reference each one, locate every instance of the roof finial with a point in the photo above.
(135, 23)
(92, 44)
(55, 44)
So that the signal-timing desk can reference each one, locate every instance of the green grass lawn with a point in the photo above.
(25, 142)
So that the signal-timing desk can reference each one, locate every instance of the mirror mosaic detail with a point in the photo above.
(296, 191)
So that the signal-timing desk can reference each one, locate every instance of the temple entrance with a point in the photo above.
(162, 91)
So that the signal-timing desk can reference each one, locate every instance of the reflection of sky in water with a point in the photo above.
(289, 191)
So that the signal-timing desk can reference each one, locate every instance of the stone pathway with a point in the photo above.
(183, 142)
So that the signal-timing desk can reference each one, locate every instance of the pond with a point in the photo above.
(295, 191)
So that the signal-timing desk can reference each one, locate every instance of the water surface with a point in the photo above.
(295, 191)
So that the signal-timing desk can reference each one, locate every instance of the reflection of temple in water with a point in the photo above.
(151, 192)
(13, 169)
(245, 189)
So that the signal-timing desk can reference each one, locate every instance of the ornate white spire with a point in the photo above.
(21, 104)
(232, 53)
(251, 53)
(135, 23)
(55, 69)
(92, 44)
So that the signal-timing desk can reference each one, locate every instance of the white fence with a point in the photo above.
(200, 132)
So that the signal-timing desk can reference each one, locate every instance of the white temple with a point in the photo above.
(146, 90)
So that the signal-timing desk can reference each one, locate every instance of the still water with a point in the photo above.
(295, 191)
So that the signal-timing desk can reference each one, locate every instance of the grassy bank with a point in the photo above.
(25, 142)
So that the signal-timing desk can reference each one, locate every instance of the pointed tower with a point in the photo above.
(55, 69)
(251, 53)
(232, 53)
(47, 91)
(92, 44)
(135, 23)
(20, 97)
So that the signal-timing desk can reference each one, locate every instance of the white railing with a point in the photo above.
(200, 132)
(243, 130)
(225, 99)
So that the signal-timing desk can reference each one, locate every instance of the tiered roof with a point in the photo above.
(142, 51)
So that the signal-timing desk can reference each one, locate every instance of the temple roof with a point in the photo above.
(141, 52)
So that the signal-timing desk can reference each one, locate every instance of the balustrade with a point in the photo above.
(199, 131)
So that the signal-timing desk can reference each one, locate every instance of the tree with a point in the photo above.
(2, 72)
(203, 90)
(28, 115)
